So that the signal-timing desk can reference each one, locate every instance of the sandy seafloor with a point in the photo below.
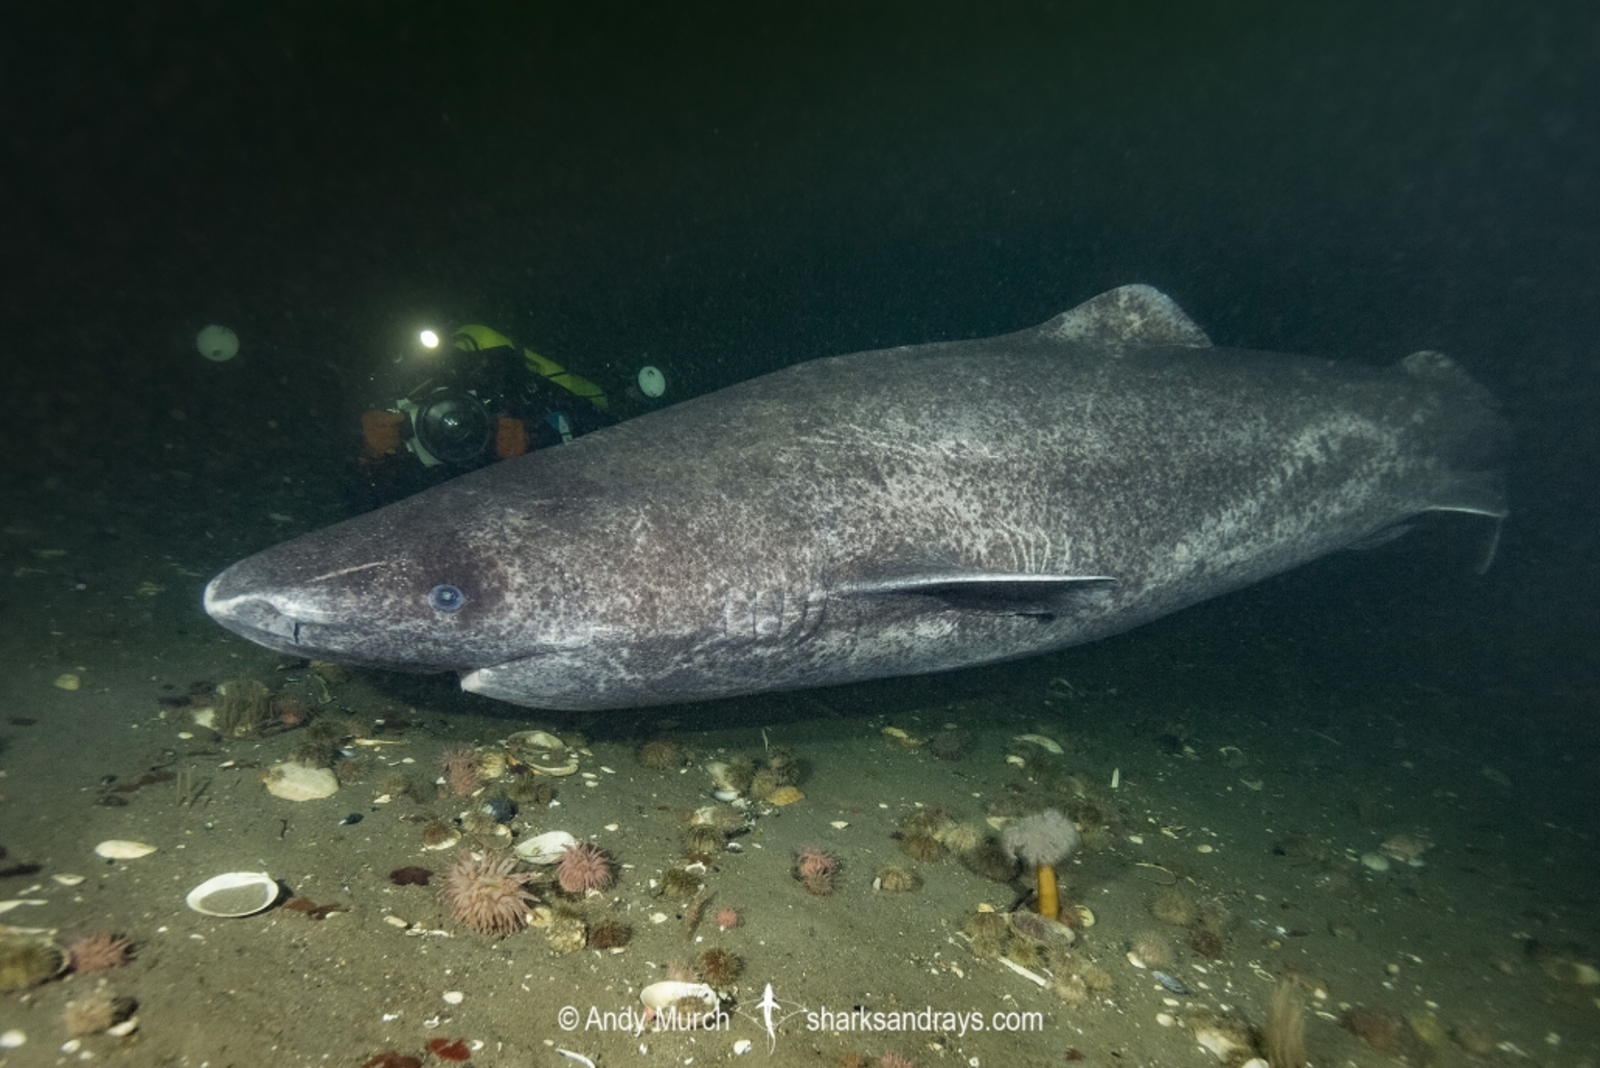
(1260, 794)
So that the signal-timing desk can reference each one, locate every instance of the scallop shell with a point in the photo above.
(543, 753)
(785, 795)
(123, 849)
(545, 848)
(237, 893)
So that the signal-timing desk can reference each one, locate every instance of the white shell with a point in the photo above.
(122, 849)
(297, 782)
(535, 740)
(545, 848)
(670, 992)
(238, 893)
(1049, 745)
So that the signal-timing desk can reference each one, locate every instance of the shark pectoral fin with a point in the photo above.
(1126, 317)
(992, 592)
(1380, 537)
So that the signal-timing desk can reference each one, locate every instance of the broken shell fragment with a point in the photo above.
(670, 992)
(1049, 745)
(123, 849)
(238, 893)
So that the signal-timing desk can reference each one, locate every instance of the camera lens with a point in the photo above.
(454, 427)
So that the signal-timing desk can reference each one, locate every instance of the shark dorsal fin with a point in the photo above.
(1127, 317)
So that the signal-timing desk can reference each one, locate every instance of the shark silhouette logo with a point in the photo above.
(774, 1013)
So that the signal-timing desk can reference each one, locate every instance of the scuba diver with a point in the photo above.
(487, 399)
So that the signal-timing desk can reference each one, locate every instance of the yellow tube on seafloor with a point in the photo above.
(1049, 899)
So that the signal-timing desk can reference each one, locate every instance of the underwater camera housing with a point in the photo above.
(450, 426)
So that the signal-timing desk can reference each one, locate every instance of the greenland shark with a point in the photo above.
(885, 513)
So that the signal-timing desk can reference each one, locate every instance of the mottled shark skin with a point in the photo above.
(885, 513)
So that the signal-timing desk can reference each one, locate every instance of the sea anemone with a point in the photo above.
(243, 707)
(986, 933)
(1151, 949)
(1213, 916)
(291, 712)
(1378, 1027)
(1072, 989)
(703, 840)
(609, 934)
(487, 894)
(718, 967)
(960, 837)
(99, 952)
(95, 1013)
(26, 961)
(582, 868)
(923, 847)
(817, 869)
(784, 764)
(764, 783)
(989, 860)
(660, 755)
(461, 771)
(439, 834)
(931, 819)
(1207, 943)
(896, 879)
(1033, 926)
(1173, 906)
(949, 744)
(1043, 840)
(679, 884)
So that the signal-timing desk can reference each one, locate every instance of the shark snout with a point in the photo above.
(250, 614)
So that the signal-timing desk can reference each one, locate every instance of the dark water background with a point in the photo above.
(729, 189)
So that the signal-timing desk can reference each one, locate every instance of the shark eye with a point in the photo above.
(446, 598)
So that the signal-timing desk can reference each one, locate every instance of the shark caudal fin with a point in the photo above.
(1472, 442)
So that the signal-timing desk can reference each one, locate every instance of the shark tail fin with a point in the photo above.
(1471, 440)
